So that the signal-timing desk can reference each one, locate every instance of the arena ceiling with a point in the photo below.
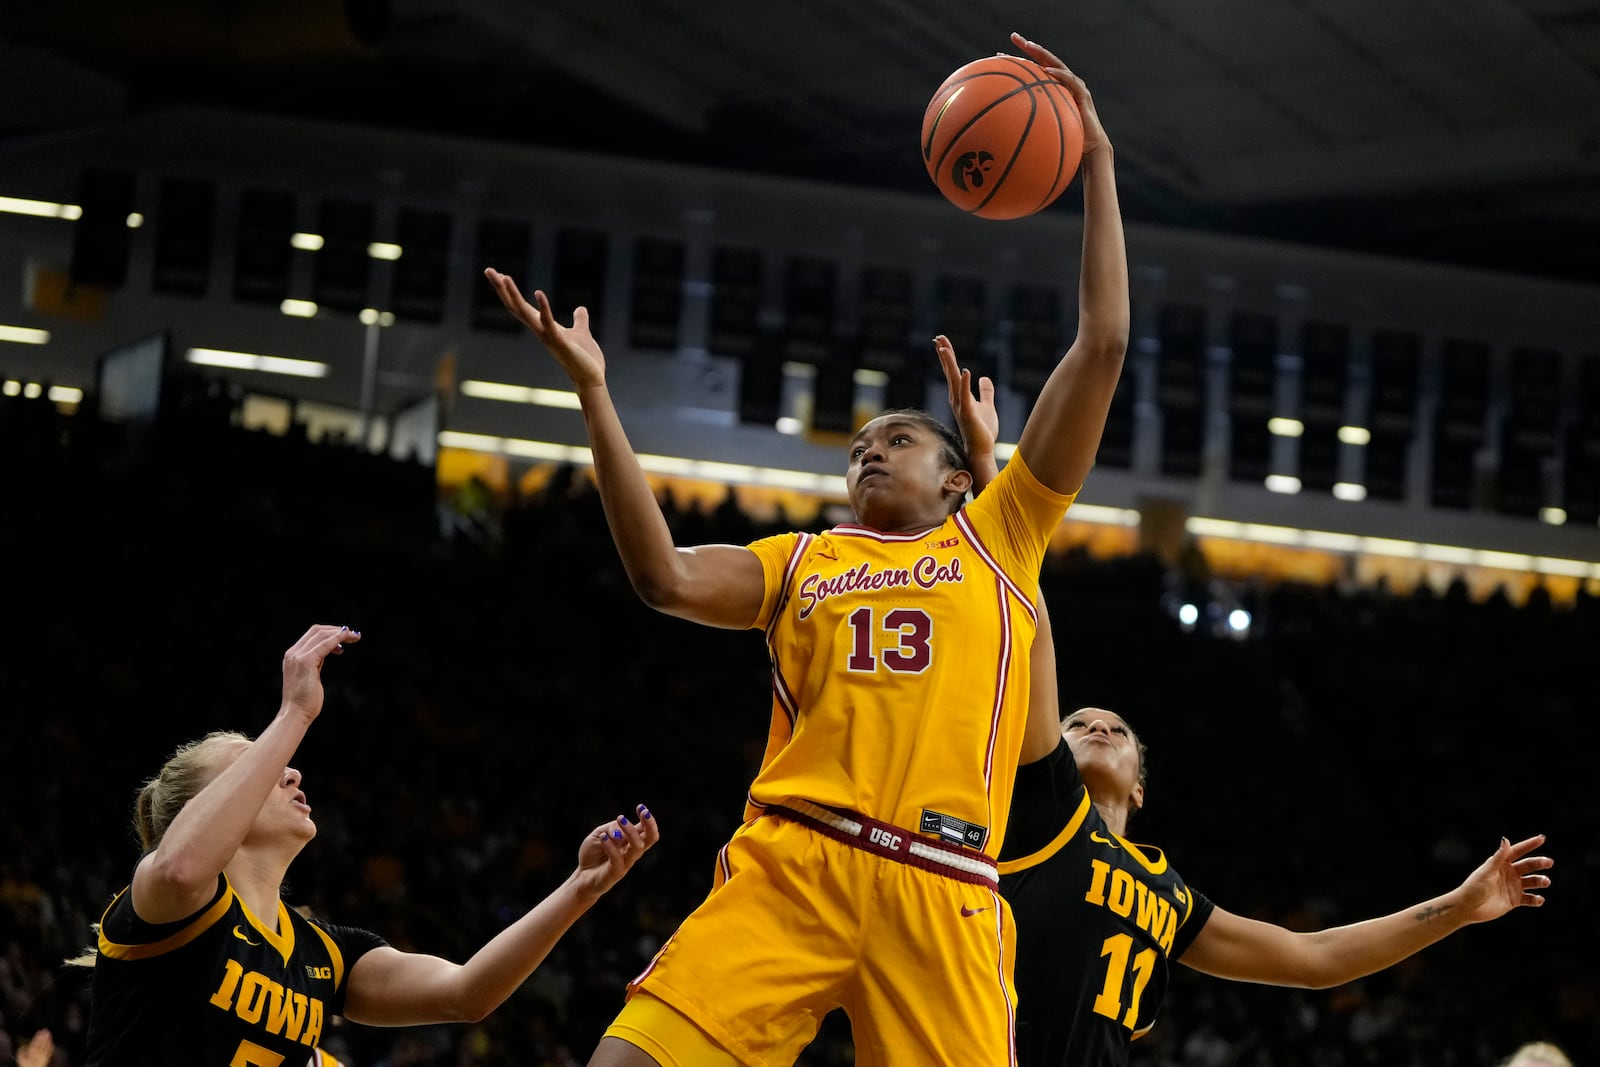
(1465, 131)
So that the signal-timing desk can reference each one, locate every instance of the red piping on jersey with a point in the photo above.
(1011, 1009)
(988, 557)
(786, 700)
(1001, 676)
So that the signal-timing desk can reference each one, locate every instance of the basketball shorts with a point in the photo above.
(813, 909)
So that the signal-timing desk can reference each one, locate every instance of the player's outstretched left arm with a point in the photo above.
(1230, 946)
(1063, 431)
(393, 988)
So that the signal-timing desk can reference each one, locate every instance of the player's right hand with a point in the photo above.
(573, 346)
(1094, 134)
(302, 667)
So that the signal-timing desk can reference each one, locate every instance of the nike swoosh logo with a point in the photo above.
(240, 934)
(1096, 835)
(967, 913)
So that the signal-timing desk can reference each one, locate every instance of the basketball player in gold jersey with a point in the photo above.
(199, 962)
(1100, 916)
(864, 874)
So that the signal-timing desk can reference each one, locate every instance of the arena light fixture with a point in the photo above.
(1188, 614)
(1352, 491)
(296, 368)
(1282, 427)
(11, 387)
(32, 391)
(520, 394)
(66, 394)
(45, 209)
(1553, 516)
(1197, 525)
(789, 425)
(135, 220)
(384, 250)
(1355, 435)
(1282, 483)
(24, 335)
(306, 242)
(300, 309)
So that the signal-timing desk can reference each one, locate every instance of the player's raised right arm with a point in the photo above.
(717, 585)
(1063, 431)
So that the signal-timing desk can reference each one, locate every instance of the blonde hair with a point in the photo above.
(1538, 1054)
(186, 772)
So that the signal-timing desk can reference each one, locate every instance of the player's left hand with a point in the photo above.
(1505, 880)
(976, 417)
(612, 849)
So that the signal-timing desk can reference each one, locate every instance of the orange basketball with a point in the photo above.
(1001, 138)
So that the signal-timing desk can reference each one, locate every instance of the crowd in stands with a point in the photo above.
(1358, 752)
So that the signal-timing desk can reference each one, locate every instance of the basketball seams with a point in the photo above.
(1016, 153)
(998, 101)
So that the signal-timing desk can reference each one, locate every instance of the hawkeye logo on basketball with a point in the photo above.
(260, 1001)
(926, 573)
(1132, 899)
(969, 169)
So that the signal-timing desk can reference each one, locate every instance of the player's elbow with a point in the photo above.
(172, 873)
(664, 592)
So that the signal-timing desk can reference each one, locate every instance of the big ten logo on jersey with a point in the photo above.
(258, 1000)
(927, 572)
(1128, 897)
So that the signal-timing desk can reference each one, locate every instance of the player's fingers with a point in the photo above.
(1533, 863)
(648, 826)
(1037, 52)
(1532, 900)
(632, 838)
(580, 318)
(310, 641)
(985, 389)
(1522, 848)
(511, 296)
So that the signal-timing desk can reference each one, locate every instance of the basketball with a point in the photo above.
(1001, 138)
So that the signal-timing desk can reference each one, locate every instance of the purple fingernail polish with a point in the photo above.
(616, 835)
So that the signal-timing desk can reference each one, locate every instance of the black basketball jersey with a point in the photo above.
(1097, 919)
(218, 989)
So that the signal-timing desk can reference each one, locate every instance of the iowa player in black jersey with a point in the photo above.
(1098, 916)
(200, 962)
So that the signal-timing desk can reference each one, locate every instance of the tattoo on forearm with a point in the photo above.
(1432, 911)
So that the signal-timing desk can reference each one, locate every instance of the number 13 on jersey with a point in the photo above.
(908, 648)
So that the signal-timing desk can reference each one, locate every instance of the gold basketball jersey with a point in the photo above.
(900, 663)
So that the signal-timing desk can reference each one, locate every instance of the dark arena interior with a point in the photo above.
(1338, 561)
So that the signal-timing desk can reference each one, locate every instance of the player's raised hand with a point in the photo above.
(976, 417)
(573, 346)
(302, 667)
(1505, 880)
(1094, 134)
(611, 850)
